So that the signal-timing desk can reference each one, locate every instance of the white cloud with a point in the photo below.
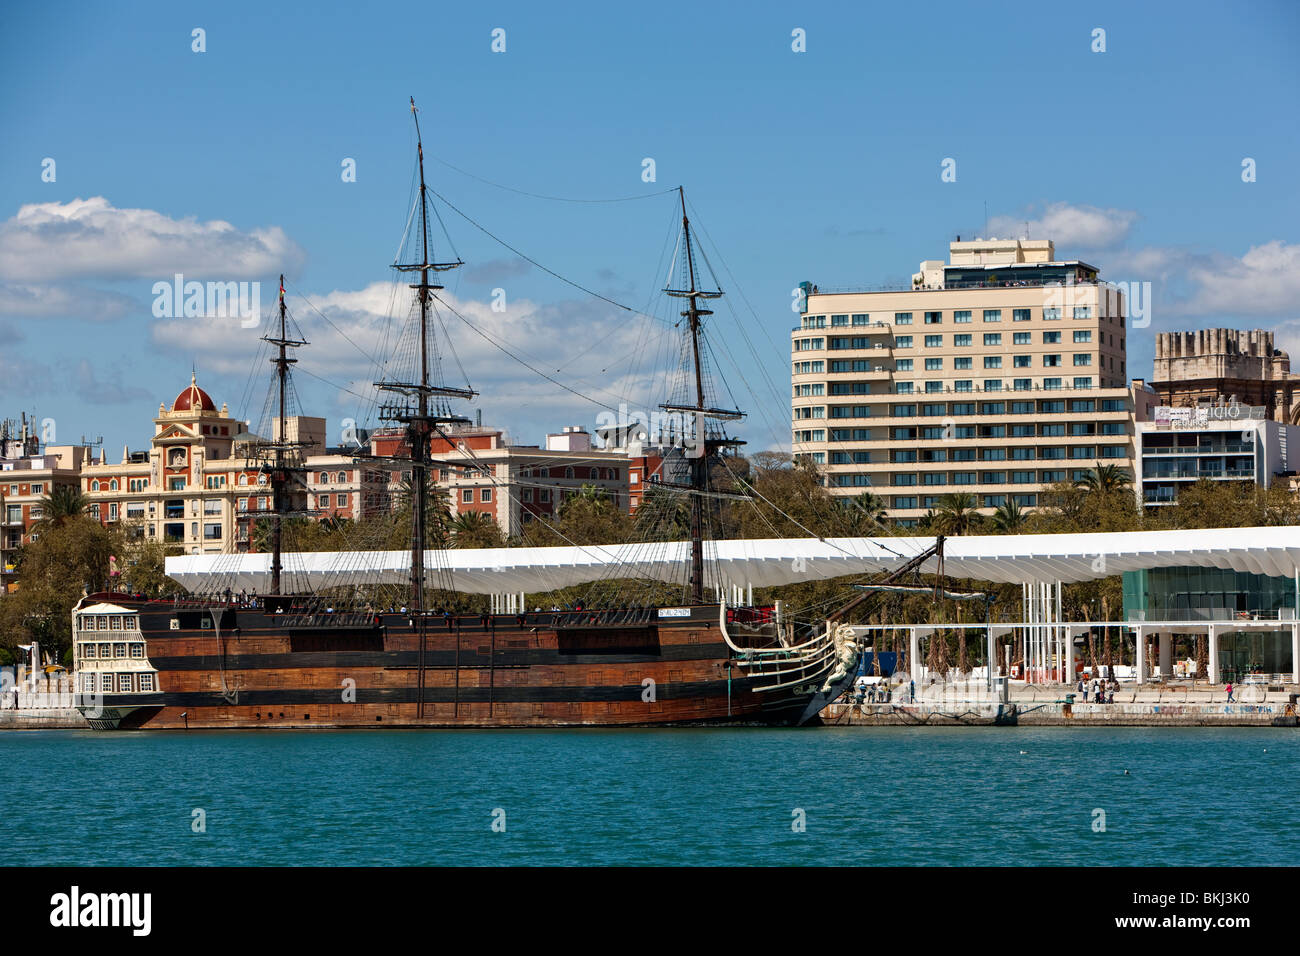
(112, 391)
(41, 300)
(1265, 281)
(91, 238)
(1069, 226)
(589, 346)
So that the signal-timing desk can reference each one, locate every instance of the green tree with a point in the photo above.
(65, 562)
(957, 514)
(474, 529)
(1104, 479)
(61, 505)
(1009, 518)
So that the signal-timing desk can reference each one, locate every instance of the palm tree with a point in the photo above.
(957, 514)
(864, 513)
(1009, 518)
(474, 529)
(437, 510)
(1105, 479)
(61, 505)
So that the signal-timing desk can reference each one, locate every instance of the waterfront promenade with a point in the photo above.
(1177, 704)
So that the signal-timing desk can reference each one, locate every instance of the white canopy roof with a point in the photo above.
(769, 561)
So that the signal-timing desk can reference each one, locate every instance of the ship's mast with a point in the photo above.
(704, 446)
(421, 419)
(280, 463)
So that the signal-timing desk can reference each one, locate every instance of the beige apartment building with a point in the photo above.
(997, 373)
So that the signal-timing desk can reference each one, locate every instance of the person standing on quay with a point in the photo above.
(1230, 692)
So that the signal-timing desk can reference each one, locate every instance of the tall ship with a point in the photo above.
(341, 653)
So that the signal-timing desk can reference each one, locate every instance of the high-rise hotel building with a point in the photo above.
(998, 373)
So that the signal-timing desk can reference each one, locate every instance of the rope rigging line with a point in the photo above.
(551, 272)
(532, 195)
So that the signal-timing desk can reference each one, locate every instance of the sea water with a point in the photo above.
(813, 796)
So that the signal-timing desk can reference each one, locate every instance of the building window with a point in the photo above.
(1019, 315)
(1083, 382)
(993, 385)
(992, 338)
(467, 496)
(903, 388)
(933, 341)
(992, 315)
(993, 361)
(1022, 338)
(902, 341)
(961, 340)
(903, 365)
(933, 364)
(1083, 335)
(485, 494)
(902, 318)
(1051, 361)
(528, 496)
(544, 495)
(933, 318)
(137, 651)
(861, 318)
(146, 683)
(962, 364)
(961, 317)
(1083, 312)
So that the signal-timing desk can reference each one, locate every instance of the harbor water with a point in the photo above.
(820, 796)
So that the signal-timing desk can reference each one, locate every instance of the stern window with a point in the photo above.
(137, 651)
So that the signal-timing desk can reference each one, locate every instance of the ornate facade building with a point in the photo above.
(1223, 367)
(187, 489)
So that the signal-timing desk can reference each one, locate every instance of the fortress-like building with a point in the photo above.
(1218, 366)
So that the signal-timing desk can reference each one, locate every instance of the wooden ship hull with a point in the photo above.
(234, 668)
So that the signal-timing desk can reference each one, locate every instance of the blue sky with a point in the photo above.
(822, 165)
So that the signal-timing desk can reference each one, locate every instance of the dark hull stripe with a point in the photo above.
(501, 694)
(469, 658)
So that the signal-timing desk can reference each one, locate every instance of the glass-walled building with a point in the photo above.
(1222, 596)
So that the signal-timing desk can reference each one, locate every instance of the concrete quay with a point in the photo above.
(1148, 705)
